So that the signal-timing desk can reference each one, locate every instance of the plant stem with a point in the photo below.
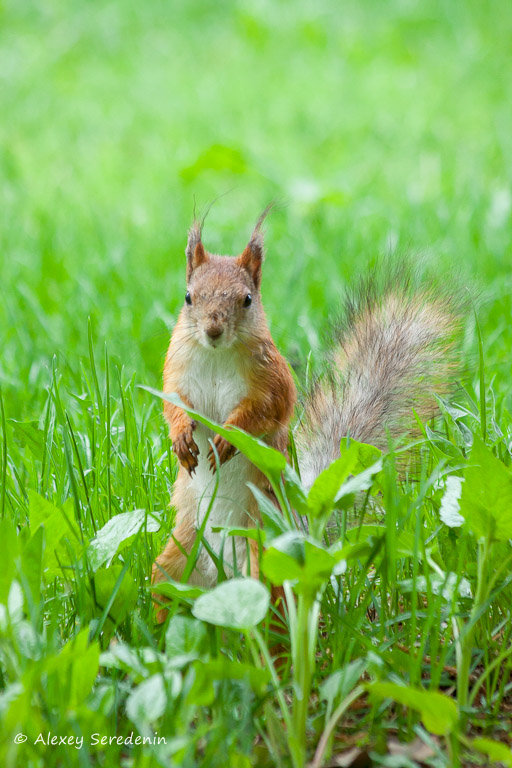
(466, 638)
(303, 653)
(452, 742)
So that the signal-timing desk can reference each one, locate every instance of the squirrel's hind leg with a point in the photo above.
(171, 563)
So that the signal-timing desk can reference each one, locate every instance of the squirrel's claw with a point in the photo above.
(186, 451)
(224, 451)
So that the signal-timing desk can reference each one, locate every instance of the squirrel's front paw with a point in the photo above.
(224, 449)
(186, 450)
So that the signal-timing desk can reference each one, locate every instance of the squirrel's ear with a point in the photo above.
(195, 252)
(252, 257)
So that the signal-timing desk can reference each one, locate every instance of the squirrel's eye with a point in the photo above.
(248, 300)
(188, 297)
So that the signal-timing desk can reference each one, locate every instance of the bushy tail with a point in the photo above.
(395, 348)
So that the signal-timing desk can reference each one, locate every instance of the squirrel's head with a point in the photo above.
(222, 302)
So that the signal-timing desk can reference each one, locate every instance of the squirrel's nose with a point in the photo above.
(214, 332)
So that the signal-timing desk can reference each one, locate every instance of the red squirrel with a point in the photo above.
(222, 362)
(393, 351)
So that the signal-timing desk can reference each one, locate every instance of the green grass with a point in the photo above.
(377, 127)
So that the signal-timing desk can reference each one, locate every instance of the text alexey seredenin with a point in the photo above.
(96, 739)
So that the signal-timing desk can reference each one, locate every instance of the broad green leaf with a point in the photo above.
(202, 691)
(364, 532)
(362, 550)
(351, 473)
(184, 636)
(43, 512)
(61, 532)
(443, 445)
(85, 670)
(361, 540)
(76, 667)
(325, 489)
(495, 750)
(486, 498)
(296, 557)
(295, 491)
(104, 583)
(209, 672)
(107, 541)
(176, 590)
(366, 536)
(367, 456)
(28, 434)
(267, 459)
(255, 534)
(284, 559)
(237, 604)
(319, 562)
(340, 683)
(405, 546)
(271, 516)
(134, 662)
(438, 712)
(439, 584)
(360, 482)
(450, 503)
(147, 701)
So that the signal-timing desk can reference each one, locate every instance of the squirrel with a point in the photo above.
(222, 362)
(395, 349)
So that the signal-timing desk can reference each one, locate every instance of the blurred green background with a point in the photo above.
(376, 126)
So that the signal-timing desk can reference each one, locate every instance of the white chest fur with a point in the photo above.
(215, 386)
(213, 382)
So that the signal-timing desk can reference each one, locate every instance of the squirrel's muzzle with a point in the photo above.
(214, 331)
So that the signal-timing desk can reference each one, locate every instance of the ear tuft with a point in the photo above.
(195, 252)
(252, 256)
